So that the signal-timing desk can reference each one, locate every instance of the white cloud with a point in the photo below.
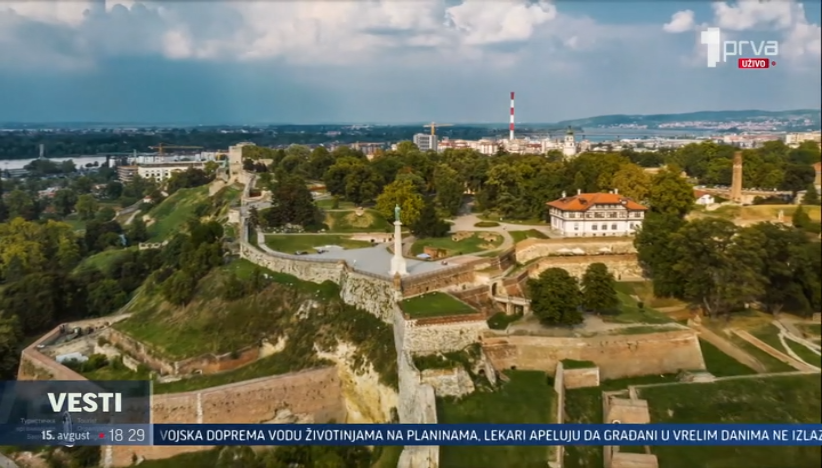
(681, 21)
(752, 14)
(482, 23)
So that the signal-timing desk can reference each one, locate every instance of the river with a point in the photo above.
(78, 161)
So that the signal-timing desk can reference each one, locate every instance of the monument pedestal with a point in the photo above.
(398, 266)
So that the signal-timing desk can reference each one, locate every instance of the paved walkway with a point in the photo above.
(730, 349)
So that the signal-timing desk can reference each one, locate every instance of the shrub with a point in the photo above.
(486, 224)
(500, 320)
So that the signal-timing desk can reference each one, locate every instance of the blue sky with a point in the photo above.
(393, 61)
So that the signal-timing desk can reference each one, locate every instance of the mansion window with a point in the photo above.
(576, 226)
(614, 227)
(593, 227)
(612, 214)
(599, 215)
(604, 227)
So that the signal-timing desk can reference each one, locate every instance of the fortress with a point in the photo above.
(320, 394)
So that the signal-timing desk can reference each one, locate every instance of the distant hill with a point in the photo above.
(652, 121)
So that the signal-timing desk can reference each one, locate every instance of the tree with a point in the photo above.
(105, 297)
(555, 297)
(632, 181)
(86, 206)
(800, 218)
(64, 201)
(797, 177)
(10, 340)
(652, 242)
(811, 196)
(293, 204)
(404, 194)
(450, 187)
(429, 224)
(179, 288)
(718, 270)
(362, 184)
(598, 289)
(670, 193)
(137, 231)
(21, 204)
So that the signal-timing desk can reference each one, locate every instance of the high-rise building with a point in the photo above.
(425, 142)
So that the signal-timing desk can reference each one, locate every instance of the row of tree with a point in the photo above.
(558, 298)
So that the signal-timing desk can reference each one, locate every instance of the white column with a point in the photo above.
(398, 261)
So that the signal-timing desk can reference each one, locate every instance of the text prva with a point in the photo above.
(86, 402)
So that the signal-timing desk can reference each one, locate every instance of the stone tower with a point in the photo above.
(736, 181)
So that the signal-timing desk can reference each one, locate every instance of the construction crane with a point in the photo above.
(162, 147)
(434, 126)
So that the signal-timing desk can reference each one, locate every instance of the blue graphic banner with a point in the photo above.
(488, 434)
(72, 413)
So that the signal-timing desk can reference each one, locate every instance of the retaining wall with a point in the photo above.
(623, 267)
(617, 356)
(530, 249)
(442, 334)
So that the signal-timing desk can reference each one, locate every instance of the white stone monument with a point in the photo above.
(398, 261)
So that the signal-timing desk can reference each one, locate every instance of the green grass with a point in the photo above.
(720, 364)
(104, 260)
(435, 304)
(629, 312)
(501, 320)
(568, 364)
(783, 400)
(644, 290)
(210, 324)
(584, 406)
(491, 216)
(519, 236)
(769, 334)
(75, 222)
(348, 221)
(813, 329)
(115, 372)
(388, 456)
(642, 330)
(328, 204)
(528, 398)
(469, 245)
(172, 214)
(803, 352)
(290, 243)
(486, 224)
(771, 363)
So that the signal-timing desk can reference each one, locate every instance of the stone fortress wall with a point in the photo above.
(313, 395)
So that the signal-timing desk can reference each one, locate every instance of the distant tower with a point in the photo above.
(736, 181)
(42, 150)
(511, 124)
(569, 146)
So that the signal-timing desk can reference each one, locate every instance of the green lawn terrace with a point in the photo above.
(527, 397)
(459, 243)
(435, 305)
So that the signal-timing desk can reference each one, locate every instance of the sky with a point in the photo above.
(394, 61)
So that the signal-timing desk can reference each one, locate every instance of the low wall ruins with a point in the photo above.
(617, 356)
(623, 267)
(442, 334)
(530, 249)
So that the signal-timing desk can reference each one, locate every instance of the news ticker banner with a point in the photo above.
(455, 435)
(71, 413)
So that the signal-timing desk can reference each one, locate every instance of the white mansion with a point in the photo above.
(596, 214)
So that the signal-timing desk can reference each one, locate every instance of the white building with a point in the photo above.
(163, 171)
(703, 198)
(596, 214)
(569, 145)
(794, 139)
(425, 142)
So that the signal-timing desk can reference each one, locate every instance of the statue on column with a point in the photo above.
(397, 213)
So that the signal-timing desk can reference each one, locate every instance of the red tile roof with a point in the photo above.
(818, 166)
(700, 193)
(584, 201)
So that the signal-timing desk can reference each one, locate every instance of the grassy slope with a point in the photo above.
(466, 246)
(527, 399)
(174, 211)
(789, 399)
(435, 304)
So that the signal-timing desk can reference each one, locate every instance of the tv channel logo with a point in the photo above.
(748, 54)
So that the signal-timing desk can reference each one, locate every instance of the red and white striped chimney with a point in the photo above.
(511, 125)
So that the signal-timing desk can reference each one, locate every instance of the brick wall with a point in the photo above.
(617, 356)
(420, 284)
(426, 336)
(530, 249)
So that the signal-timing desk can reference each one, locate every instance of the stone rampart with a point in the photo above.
(559, 388)
(454, 382)
(442, 334)
(478, 297)
(623, 267)
(438, 280)
(310, 396)
(530, 249)
(581, 378)
(617, 356)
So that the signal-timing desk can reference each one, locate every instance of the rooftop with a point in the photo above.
(585, 201)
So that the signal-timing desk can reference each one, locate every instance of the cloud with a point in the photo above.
(681, 21)
(785, 21)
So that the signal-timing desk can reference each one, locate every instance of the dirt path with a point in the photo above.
(775, 353)
(730, 349)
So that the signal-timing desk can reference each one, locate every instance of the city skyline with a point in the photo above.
(393, 61)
